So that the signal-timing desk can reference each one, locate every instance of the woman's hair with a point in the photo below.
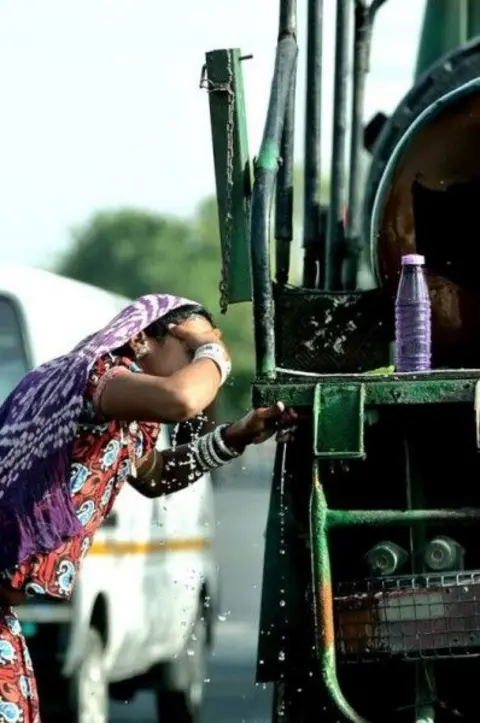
(159, 329)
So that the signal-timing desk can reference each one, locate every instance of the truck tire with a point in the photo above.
(179, 699)
(89, 700)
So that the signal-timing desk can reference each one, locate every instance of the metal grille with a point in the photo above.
(416, 617)
(332, 333)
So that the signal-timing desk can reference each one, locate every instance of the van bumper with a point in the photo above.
(44, 612)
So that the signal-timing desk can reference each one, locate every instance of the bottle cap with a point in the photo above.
(413, 260)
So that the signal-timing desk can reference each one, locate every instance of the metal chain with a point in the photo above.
(227, 87)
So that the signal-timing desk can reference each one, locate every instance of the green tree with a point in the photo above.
(134, 252)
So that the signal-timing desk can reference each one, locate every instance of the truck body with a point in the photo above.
(372, 572)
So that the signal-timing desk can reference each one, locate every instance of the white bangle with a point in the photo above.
(209, 454)
(212, 450)
(223, 447)
(216, 353)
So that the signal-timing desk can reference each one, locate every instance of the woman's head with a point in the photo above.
(160, 353)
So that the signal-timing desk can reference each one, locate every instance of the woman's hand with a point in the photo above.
(176, 397)
(261, 424)
(196, 332)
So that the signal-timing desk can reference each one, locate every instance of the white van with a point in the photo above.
(143, 609)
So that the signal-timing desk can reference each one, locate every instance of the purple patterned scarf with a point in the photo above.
(37, 428)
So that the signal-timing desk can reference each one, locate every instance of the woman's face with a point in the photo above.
(168, 355)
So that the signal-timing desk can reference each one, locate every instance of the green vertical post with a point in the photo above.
(224, 82)
(447, 24)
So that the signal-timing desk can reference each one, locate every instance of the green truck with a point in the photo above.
(371, 587)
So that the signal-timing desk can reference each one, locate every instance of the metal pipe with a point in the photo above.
(385, 518)
(463, 24)
(287, 25)
(284, 190)
(361, 53)
(363, 29)
(266, 168)
(323, 599)
(334, 241)
(284, 194)
(312, 164)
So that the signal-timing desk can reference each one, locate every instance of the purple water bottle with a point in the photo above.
(412, 318)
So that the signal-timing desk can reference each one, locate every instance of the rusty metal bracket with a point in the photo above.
(339, 420)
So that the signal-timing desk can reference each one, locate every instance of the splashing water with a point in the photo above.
(282, 602)
(223, 617)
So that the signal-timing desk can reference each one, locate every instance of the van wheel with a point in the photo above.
(89, 687)
(181, 696)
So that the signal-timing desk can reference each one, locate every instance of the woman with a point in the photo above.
(77, 428)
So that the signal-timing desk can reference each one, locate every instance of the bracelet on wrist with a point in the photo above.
(219, 434)
(216, 353)
(211, 452)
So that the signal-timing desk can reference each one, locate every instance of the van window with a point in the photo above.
(13, 357)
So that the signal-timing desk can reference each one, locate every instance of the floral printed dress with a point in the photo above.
(102, 457)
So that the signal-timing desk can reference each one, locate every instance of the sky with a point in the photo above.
(101, 106)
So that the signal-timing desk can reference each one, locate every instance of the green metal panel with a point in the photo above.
(224, 82)
(339, 421)
(447, 25)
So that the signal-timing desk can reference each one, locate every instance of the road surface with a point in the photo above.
(231, 693)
